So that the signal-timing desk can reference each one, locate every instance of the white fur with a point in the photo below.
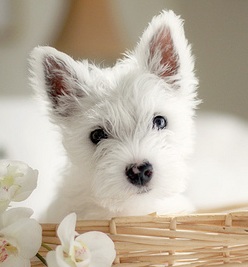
(123, 101)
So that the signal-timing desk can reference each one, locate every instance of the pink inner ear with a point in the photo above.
(55, 75)
(162, 44)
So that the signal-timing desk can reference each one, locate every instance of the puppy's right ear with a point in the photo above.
(164, 51)
(54, 75)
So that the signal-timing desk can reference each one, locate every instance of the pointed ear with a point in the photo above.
(54, 77)
(163, 49)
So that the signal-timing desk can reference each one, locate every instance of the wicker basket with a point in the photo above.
(192, 240)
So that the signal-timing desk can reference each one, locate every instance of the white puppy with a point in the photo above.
(127, 130)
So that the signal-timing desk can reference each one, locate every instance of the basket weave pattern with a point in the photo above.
(192, 240)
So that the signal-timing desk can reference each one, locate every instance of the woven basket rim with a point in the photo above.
(206, 239)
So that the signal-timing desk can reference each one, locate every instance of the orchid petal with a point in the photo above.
(27, 185)
(4, 204)
(92, 249)
(14, 261)
(11, 216)
(66, 231)
(51, 258)
(101, 247)
(16, 234)
(80, 254)
(17, 181)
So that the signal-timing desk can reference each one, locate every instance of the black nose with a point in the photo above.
(139, 174)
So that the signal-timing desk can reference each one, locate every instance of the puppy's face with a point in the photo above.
(127, 128)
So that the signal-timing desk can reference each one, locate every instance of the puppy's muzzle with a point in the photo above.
(139, 175)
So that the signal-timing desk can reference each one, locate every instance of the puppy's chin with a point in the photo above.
(134, 204)
(146, 203)
(141, 201)
(143, 190)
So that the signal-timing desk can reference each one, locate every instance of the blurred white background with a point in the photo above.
(104, 29)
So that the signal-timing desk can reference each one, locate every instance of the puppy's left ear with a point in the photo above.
(56, 78)
(163, 49)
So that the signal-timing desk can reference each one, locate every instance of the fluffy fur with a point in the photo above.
(155, 79)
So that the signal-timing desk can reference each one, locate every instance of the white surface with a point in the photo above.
(28, 136)
(220, 162)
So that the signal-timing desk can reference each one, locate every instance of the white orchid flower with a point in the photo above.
(17, 181)
(20, 237)
(92, 249)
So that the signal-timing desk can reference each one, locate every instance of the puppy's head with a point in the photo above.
(128, 129)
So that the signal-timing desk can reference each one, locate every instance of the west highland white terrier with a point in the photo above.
(128, 129)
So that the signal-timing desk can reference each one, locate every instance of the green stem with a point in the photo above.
(44, 245)
(41, 259)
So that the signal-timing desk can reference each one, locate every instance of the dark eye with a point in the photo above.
(159, 122)
(97, 135)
